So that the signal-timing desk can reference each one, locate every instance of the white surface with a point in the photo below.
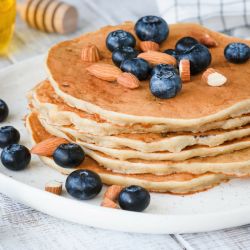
(224, 206)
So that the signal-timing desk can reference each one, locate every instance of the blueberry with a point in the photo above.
(118, 39)
(4, 110)
(124, 53)
(134, 198)
(152, 28)
(185, 43)
(237, 52)
(165, 85)
(172, 52)
(199, 57)
(68, 155)
(15, 157)
(83, 184)
(137, 66)
(8, 135)
(163, 68)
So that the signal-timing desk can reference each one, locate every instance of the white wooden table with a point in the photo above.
(23, 228)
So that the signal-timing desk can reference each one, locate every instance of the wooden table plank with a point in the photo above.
(23, 228)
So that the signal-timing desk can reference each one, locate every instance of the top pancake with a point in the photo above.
(196, 103)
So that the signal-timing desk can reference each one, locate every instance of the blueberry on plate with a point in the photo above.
(4, 110)
(165, 85)
(237, 52)
(83, 184)
(134, 198)
(118, 39)
(15, 157)
(172, 52)
(68, 155)
(8, 135)
(185, 43)
(152, 28)
(124, 53)
(163, 68)
(137, 66)
(199, 57)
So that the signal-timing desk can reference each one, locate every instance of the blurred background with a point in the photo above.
(231, 17)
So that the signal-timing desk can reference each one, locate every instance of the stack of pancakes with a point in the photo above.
(181, 145)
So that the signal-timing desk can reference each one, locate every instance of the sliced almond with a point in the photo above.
(90, 53)
(213, 78)
(113, 192)
(109, 203)
(54, 187)
(48, 146)
(156, 57)
(149, 45)
(128, 80)
(104, 71)
(184, 68)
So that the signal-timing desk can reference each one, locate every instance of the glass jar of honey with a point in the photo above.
(7, 21)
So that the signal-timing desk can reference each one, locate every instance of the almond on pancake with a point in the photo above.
(122, 106)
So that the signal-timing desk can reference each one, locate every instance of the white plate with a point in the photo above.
(225, 206)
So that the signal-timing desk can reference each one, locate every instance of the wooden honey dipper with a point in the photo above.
(49, 15)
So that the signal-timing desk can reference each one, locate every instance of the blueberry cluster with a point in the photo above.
(165, 81)
(14, 156)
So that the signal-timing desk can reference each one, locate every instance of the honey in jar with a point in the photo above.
(7, 21)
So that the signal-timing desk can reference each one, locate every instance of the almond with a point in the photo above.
(128, 80)
(208, 41)
(48, 146)
(156, 57)
(113, 192)
(54, 187)
(109, 203)
(149, 45)
(205, 39)
(213, 78)
(104, 71)
(184, 68)
(90, 53)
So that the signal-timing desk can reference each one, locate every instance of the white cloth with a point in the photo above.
(230, 16)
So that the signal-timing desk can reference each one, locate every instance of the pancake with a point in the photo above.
(56, 112)
(124, 154)
(175, 183)
(197, 104)
(233, 164)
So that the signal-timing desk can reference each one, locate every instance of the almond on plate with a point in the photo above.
(213, 78)
(54, 187)
(104, 71)
(113, 192)
(106, 202)
(48, 146)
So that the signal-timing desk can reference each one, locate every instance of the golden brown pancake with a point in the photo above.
(57, 113)
(197, 103)
(175, 183)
